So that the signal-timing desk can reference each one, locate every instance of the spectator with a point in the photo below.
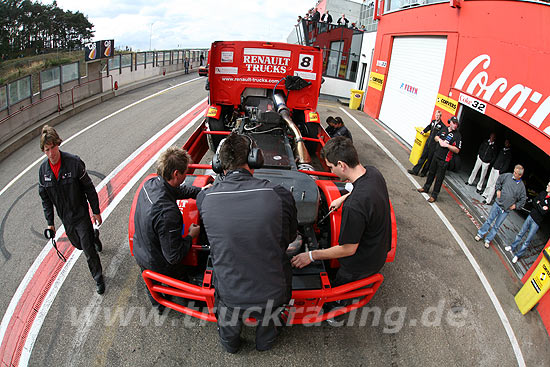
(316, 16)
(485, 155)
(448, 143)
(500, 165)
(435, 126)
(327, 18)
(531, 224)
(186, 65)
(510, 196)
(343, 20)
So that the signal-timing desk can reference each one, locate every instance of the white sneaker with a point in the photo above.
(486, 244)
(477, 238)
(508, 248)
(515, 260)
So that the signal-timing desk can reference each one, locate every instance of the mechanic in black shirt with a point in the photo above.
(64, 183)
(448, 143)
(337, 128)
(365, 230)
(249, 223)
(158, 242)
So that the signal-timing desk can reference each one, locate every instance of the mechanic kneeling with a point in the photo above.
(249, 223)
(365, 231)
(158, 242)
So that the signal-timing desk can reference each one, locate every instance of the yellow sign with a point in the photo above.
(313, 117)
(212, 112)
(376, 80)
(536, 286)
(446, 103)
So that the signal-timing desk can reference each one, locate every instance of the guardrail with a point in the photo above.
(87, 83)
(41, 100)
(57, 95)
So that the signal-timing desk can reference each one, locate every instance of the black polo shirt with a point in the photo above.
(366, 219)
(454, 138)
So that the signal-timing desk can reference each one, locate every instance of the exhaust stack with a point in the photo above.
(282, 109)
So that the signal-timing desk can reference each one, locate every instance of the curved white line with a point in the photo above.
(91, 126)
(61, 277)
(458, 239)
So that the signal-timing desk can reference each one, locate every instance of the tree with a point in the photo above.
(28, 27)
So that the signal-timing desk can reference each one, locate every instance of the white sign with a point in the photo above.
(305, 75)
(306, 62)
(227, 70)
(471, 102)
(514, 98)
(227, 56)
(381, 63)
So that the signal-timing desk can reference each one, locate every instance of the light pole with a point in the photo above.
(151, 36)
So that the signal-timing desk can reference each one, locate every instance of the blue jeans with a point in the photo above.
(530, 227)
(497, 215)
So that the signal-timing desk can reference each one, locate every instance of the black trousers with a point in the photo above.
(230, 322)
(438, 168)
(81, 235)
(426, 156)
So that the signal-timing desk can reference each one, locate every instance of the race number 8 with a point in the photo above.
(306, 62)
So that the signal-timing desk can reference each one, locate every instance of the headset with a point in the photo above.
(255, 158)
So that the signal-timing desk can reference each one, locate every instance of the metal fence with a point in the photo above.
(3, 98)
(50, 78)
(70, 72)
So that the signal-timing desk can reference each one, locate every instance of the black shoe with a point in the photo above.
(233, 349)
(479, 191)
(160, 309)
(412, 172)
(100, 287)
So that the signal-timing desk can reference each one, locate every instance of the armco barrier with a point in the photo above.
(24, 123)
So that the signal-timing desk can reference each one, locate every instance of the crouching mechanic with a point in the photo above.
(249, 223)
(158, 242)
(365, 231)
(64, 183)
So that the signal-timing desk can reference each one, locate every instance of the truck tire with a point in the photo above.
(214, 140)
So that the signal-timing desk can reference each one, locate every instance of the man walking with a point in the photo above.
(510, 196)
(64, 183)
(448, 143)
(435, 126)
(541, 204)
(486, 154)
(249, 222)
(159, 244)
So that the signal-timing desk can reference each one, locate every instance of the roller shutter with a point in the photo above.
(412, 84)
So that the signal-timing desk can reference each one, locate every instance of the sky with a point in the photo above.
(172, 24)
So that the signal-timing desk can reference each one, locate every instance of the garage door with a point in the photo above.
(412, 84)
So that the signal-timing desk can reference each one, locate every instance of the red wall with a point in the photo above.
(514, 36)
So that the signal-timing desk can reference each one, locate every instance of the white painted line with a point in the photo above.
(469, 256)
(56, 286)
(91, 126)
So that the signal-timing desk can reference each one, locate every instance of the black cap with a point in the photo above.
(453, 119)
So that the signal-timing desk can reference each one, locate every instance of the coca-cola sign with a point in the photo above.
(520, 100)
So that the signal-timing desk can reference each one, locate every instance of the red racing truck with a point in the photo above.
(269, 92)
